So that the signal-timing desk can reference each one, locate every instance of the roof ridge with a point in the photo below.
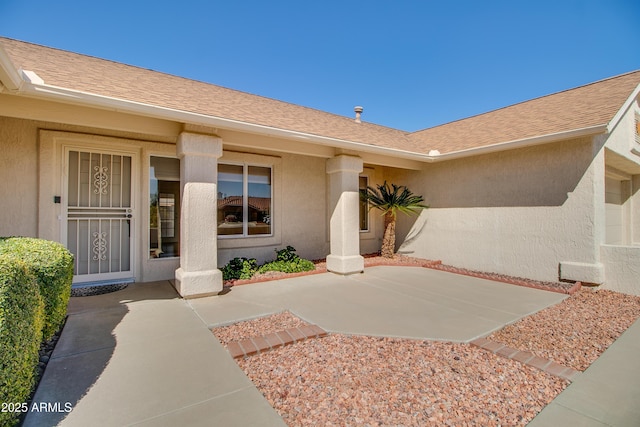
(528, 100)
(238, 91)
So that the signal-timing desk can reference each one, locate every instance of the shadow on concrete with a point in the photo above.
(84, 350)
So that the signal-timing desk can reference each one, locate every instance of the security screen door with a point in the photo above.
(99, 215)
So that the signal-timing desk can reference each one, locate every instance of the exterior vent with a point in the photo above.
(358, 109)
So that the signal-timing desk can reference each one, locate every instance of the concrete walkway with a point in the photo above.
(606, 394)
(143, 356)
(406, 302)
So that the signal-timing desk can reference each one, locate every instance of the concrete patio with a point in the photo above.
(143, 356)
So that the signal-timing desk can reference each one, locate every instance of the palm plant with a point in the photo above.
(391, 200)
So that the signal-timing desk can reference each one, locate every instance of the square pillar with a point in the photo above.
(344, 225)
(198, 274)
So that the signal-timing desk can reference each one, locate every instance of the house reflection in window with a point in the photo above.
(244, 200)
(164, 207)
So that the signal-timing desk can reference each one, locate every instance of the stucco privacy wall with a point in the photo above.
(520, 212)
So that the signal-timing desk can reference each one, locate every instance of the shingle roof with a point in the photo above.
(107, 78)
(585, 106)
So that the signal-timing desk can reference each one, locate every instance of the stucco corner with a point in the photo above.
(582, 272)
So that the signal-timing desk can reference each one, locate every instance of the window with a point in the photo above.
(164, 207)
(244, 200)
(638, 129)
(364, 206)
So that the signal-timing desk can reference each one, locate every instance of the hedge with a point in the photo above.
(52, 265)
(21, 322)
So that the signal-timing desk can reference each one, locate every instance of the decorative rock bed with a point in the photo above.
(87, 291)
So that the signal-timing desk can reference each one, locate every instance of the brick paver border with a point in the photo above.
(254, 345)
(527, 358)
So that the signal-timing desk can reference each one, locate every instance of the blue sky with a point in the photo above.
(410, 64)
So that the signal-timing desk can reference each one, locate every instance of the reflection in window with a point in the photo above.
(364, 205)
(164, 207)
(244, 200)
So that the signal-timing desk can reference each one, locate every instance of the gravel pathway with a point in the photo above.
(355, 380)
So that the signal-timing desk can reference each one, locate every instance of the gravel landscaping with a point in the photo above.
(575, 332)
(356, 380)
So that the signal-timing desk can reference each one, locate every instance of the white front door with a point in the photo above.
(99, 215)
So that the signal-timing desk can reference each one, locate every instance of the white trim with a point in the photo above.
(9, 74)
(622, 111)
(526, 142)
(110, 103)
(146, 219)
(245, 200)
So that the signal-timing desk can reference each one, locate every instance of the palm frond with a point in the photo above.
(392, 199)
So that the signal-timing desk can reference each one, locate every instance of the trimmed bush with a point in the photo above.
(288, 266)
(239, 268)
(21, 323)
(287, 261)
(52, 265)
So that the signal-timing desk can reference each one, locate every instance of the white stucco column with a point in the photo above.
(344, 228)
(198, 274)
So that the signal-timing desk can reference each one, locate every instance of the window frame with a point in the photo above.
(245, 200)
(148, 222)
(367, 210)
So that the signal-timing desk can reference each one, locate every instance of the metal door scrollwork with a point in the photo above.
(99, 246)
(100, 179)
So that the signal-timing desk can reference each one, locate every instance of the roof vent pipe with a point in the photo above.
(358, 111)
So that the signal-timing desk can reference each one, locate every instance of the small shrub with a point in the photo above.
(239, 269)
(21, 322)
(287, 261)
(287, 254)
(52, 265)
(295, 266)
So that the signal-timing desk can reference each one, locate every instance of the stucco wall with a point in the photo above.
(622, 268)
(520, 212)
(622, 138)
(19, 177)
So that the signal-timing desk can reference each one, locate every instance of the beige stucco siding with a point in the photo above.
(19, 177)
(622, 139)
(521, 212)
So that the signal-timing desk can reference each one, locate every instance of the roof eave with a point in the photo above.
(621, 112)
(525, 142)
(33, 86)
(9, 74)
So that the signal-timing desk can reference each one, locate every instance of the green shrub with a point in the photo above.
(295, 266)
(21, 323)
(52, 265)
(287, 254)
(239, 268)
(287, 261)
